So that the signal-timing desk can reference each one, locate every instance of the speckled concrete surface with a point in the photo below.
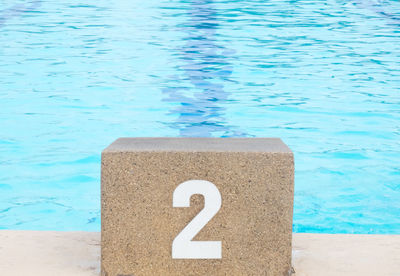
(254, 177)
(78, 254)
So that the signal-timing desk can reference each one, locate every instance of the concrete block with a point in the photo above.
(197, 206)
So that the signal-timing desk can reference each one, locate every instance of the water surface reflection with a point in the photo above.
(206, 68)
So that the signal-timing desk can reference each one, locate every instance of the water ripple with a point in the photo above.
(322, 75)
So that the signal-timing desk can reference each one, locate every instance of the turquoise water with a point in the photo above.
(322, 75)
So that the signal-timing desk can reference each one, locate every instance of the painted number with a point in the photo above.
(183, 247)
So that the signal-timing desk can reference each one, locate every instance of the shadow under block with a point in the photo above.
(255, 180)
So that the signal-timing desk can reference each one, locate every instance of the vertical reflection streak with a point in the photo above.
(206, 68)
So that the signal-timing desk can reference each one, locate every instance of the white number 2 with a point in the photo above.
(183, 247)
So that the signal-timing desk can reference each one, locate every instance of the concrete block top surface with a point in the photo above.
(270, 145)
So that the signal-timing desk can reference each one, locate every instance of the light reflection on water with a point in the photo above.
(322, 75)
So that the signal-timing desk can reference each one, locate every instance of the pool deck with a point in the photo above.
(78, 253)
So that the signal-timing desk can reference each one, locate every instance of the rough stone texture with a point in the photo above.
(254, 176)
(47, 253)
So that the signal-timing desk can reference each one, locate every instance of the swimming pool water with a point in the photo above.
(322, 75)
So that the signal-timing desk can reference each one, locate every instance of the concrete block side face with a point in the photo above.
(254, 223)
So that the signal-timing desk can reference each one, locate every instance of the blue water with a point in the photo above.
(322, 75)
